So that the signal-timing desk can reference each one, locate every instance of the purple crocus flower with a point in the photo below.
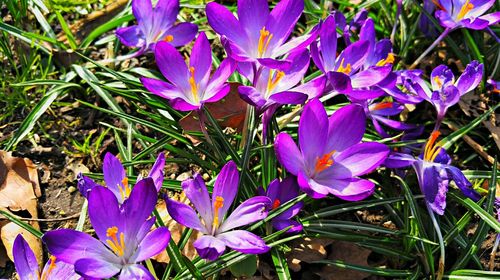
(445, 91)
(123, 232)
(424, 24)
(156, 25)
(27, 265)
(345, 72)
(434, 173)
(116, 179)
(259, 35)
(331, 157)
(280, 193)
(218, 231)
(398, 85)
(189, 86)
(379, 113)
(465, 13)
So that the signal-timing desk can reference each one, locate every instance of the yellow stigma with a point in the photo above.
(117, 247)
(124, 189)
(168, 38)
(194, 86)
(389, 59)
(432, 148)
(273, 80)
(218, 204)
(438, 81)
(264, 39)
(324, 162)
(346, 70)
(52, 265)
(465, 9)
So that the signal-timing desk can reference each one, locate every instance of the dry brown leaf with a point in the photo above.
(307, 250)
(350, 253)
(19, 189)
(176, 230)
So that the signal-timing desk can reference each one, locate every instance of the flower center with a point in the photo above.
(264, 39)
(382, 105)
(467, 7)
(346, 70)
(273, 80)
(389, 59)
(124, 189)
(194, 86)
(324, 162)
(276, 203)
(117, 247)
(168, 38)
(438, 81)
(432, 148)
(218, 204)
(52, 265)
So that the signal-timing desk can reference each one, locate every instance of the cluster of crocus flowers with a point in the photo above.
(331, 157)
(156, 25)
(218, 229)
(123, 231)
(27, 265)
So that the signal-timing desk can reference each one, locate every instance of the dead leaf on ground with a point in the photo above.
(307, 250)
(19, 189)
(349, 253)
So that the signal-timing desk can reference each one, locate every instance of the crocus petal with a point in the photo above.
(181, 104)
(328, 40)
(395, 124)
(462, 183)
(288, 97)
(224, 23)
(70, 245)
(219, 78)
(492, 18)
(136, 271)
(445, 19)
(352, 189)
(114, 173)
(156, 172)
(251, 210)
(433, 182)
(282, 20)
(297, 43)
(85, 184)
(313, 131)
(131, 36)
(201, 58)
(244, 241)
(355, 55)
(165, 13)
(226, 187)
(61, 270)
(209, 247)
(370, 77)
(143, 11)
(252, 96)
(340, 82)
(314, 88)
(272, 63)
(346, 127)
(161, 88)
(139, 205)
(363, 158)
(252, 15)
(470, 78)
(155, 242)
(441, 76)
(310, 187)
(185, 215)
(288, 153)
(282, 224)
(196, 191)
(399, 160)
(24, 259)
(182, 33)
(172, 64)
(104, 211)
(476, 24)
(96, 268)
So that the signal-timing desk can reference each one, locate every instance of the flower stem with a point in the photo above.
(441, 243)
(430, 48)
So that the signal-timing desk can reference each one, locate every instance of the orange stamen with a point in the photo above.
(194, 86)
(346, 70)
(389, 59)
(264, 40)
(324, 162)
(124, 189)
(436, 2)
(432, 148)
(273, 80)
(117, 247)
(276, 203)
(382, 105)
(467, 7)
(52, 265)
(438, 81)
(218, 204)
(168, 38)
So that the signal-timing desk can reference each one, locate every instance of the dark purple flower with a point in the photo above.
(424, 24)
(331, 157)
(466, 13)
(116, 179)
(280, 193)
(27, 265)
(434, 172)
(156, 25)
(379, 113)
(399, 86)
(218, 231)
(124, 235)
(257, 34)
(189, 86)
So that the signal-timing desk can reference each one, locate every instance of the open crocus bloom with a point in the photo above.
(27, 265)
(189, 86)
(345, 72)
(123, 231)
(465, 13)
(445, 91)
(280, 193)
(434, 173)
(116, 179)
(257, 34)
(331, 157)
(218, 231)
(156, 25)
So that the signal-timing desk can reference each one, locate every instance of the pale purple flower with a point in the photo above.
(331, 157)
(123, 231)
(466, 13)
(156, 25)
(219, 230)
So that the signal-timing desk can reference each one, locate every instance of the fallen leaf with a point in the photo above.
(19, 189)
(349, 253)
(307, 250)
